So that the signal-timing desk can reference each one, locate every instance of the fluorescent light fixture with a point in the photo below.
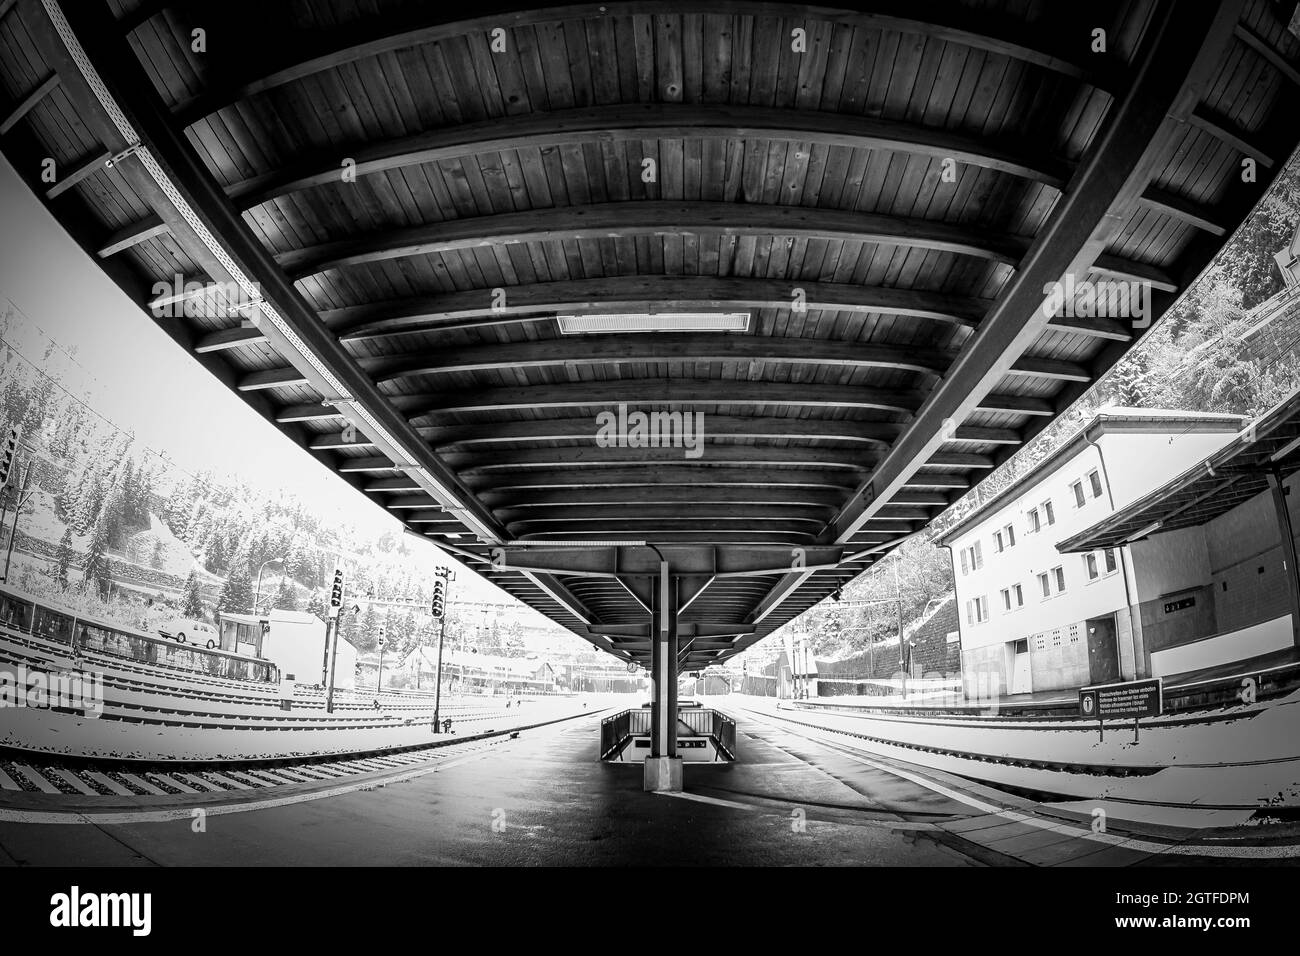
(1149, 529)
(655, 322)
(575, 544)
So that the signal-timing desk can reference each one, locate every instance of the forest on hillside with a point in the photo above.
(118, 530)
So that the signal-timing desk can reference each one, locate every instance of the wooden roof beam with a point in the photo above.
(639, 122)
(541, 501)
(633, 348)
(310, 53)
(650, 218)
(629, 348)
(645, 392)
(28, 103)
(592, 456)
(646, 293)
(666, 475)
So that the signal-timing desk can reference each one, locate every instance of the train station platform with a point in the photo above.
(1282, 667)
(544, 799)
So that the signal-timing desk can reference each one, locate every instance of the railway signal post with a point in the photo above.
(438, 609)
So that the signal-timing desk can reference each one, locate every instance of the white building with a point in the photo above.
(1040, 620)
(293, 640)
(1215, 583)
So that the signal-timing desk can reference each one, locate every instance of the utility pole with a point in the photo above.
(898, 604)
(8, 453)
(20, 493)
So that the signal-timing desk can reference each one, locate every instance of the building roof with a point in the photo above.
(1111, 418)
(519, 667)
(1213, 486)
(856, 300)
(274, 615)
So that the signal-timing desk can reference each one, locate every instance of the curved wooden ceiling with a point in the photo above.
(885, 193)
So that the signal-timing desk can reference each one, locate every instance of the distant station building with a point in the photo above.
(1214, 578)
(293, 640)
(475, 673)
(1036, 619)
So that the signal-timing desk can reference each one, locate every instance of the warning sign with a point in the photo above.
(1131, 699)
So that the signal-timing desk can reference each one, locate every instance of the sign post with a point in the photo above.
(1135, 699)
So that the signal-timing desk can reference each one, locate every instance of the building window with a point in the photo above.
(1047, 579)
(1013, 597)
(972, 558)
(1094, 481)
(977, 610)
(1090, 562)
(1109, 555)
(1051, 514)
(997, 542)
(1079, 499)
(1010, 532)
(1035, 523)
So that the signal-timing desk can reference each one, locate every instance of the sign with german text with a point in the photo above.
(1127, 700)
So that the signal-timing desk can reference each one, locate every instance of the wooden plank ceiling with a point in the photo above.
(882, 194)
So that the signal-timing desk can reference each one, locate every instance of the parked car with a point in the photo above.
(190, 631)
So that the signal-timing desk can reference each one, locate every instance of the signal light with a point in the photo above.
(8, 452)
(336, 592)
(438, 607)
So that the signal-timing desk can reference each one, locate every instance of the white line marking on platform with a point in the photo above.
(700, 798)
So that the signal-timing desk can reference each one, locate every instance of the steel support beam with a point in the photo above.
(300, 336)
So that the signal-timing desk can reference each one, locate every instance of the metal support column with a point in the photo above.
(1286, 527)
(663, 768)
(671, 647)
(663, 706)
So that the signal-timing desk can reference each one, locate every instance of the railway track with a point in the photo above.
(1036, 779)
(39, 774)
